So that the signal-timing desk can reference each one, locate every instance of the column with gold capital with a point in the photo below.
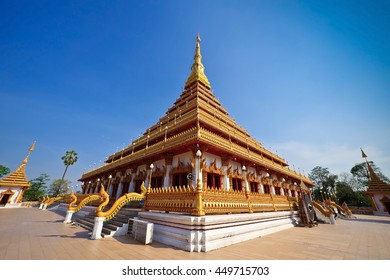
(198, 210)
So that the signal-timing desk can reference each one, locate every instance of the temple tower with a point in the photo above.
(231, 158)
(15, 184)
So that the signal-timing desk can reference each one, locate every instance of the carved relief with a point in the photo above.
(159, 171)
(141, 175)
(213, 168)
(265, 181)
(127, 178)
(252, 177)
(116, 180)
(182, 168)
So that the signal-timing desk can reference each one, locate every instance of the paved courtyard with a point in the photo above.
(33, 234)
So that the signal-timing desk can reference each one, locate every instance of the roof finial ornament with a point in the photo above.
(30, 150)
(197, 68)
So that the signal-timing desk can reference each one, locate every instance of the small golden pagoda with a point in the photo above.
(231, 160)
(15, 184)
(378, 191)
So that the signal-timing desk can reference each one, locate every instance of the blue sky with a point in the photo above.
(308, 79)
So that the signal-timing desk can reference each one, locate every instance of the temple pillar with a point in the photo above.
(272, 189)
(168, 162)
(131, 185)
(225, 162)
(109, 190)
(281, 190)
(261, 189)
(246, 184)
(119, 191)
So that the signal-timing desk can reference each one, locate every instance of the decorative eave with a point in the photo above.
(200, 136)
(376, 184)
(18, 177)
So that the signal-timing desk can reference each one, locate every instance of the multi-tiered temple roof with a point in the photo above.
(18, 177)
(376, 184)
(196, 120)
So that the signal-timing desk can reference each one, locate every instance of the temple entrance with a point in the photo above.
(386, 203)
(387, 206)
(4, 199)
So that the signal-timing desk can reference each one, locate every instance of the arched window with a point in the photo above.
(254, 187)
(214, 180)
(137, 185)
(156, 182)
(180, 179)
(125, 188)
(237, 184)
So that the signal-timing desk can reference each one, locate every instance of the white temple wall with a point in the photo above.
(185, 158)
(159, 163)
(251, 170)
(235, 165)
(210, 158)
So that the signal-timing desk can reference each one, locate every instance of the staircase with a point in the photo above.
(112, 226)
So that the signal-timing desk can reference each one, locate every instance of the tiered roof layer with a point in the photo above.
(197, 119)
(18, 177)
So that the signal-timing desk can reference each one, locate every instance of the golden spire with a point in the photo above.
(30, 150)
(18, 177)
(197, 68)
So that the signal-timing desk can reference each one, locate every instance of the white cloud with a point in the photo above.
(337, 158)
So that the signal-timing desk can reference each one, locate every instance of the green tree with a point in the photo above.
(69, 159)
(349, 190)
(324, 181)
(58, 187)
(361, 174)
(37, 188)
(345, 193)
(4, 170)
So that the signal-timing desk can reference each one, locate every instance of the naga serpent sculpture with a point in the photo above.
(119, 203)
(327, 212)
(52, 200)
(84, 202)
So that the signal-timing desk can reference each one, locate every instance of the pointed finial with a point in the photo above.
(30, 150)
(197, 68)
(198, 38)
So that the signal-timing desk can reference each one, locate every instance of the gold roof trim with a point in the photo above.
(18, 177)
(197, 68)
(375, 184)
(196, 117)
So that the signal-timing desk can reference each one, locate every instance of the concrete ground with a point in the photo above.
(33, 234)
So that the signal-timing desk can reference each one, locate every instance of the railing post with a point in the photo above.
(68, 217)
(97, 228)
(199, 210)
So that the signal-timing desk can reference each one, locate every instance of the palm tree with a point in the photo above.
(69, 159)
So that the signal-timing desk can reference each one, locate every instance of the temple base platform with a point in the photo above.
(206, 233)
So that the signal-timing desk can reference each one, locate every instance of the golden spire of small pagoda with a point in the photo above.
(197, 68)
(18, 177)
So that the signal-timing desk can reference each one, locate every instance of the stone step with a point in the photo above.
(109, 228)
